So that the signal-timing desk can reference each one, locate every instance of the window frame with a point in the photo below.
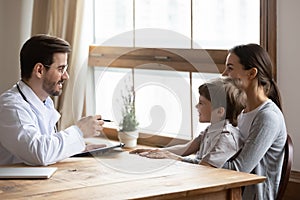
(130, 57)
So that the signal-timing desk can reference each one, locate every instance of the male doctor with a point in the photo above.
(27, 113)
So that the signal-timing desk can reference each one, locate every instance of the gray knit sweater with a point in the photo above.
(263, 151)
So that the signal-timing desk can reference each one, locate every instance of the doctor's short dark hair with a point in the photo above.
(227, 93)
(40, 49)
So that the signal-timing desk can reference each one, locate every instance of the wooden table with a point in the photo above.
(120, 175)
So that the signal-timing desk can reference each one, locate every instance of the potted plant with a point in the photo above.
(128, 133)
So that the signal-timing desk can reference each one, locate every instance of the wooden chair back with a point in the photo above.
(286, 167)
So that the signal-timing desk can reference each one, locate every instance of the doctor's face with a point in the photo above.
(56, 75)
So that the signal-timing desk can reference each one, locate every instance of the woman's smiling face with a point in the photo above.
(235, 69)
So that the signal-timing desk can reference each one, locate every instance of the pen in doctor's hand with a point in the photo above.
(106, 120)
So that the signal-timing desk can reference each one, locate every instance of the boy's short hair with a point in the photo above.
(227, 93)
(40, 49)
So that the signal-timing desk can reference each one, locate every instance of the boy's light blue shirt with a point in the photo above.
(218, 143)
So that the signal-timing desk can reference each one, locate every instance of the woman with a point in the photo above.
(261, 123)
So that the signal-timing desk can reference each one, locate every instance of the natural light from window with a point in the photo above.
(213, 24)
(164, 104)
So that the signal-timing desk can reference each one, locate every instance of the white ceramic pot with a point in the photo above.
(129, 138)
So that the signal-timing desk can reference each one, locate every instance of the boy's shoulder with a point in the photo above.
(233, 134)
(230, 129)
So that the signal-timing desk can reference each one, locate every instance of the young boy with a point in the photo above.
(220, 102)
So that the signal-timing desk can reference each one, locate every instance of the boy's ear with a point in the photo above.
(221, 112)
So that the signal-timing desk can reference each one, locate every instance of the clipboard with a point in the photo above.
(99, 151)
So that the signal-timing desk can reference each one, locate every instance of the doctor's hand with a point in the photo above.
(90, 126)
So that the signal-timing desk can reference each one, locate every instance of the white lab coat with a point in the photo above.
(27, 131)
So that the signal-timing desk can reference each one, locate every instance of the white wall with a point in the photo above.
(1, 36)
(288, 41)
(15, 19)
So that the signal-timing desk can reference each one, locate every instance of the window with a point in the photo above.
(211, 24)
(166, 82)
(147, 41)
(221, 24)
